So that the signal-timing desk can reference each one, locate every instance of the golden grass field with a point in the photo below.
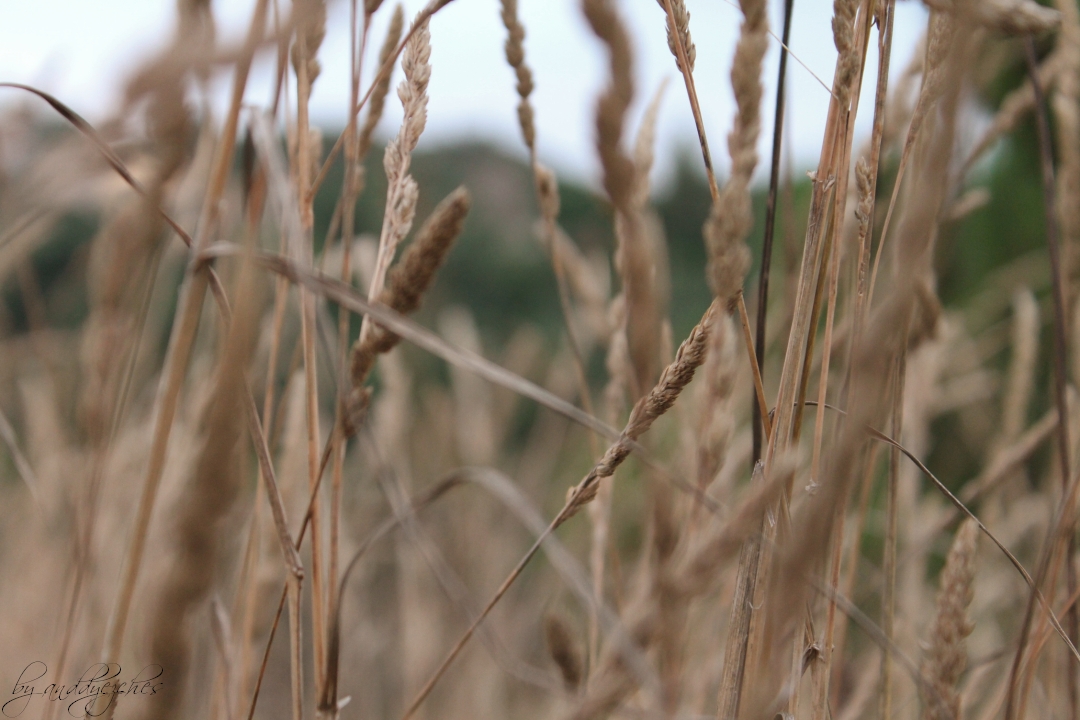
(238, 462)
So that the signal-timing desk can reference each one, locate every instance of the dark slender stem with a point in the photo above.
(770, 219)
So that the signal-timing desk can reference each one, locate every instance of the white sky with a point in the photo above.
(82, 50)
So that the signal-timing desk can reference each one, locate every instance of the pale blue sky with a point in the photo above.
(82, 50)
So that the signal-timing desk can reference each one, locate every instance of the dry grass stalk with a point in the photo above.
(892, 512)
(673, 380)
(946, 654)
(730, 219)
(180, 342)
(351, 188)
(866, 171)
(620, 180)
(401, 194)
(515, 56)
(660, 654)
(851, 46)
(678, 33)
(381, 87)
(309, 36)
(682, 48)
(213, 489)
(940, 34)
(406, 284)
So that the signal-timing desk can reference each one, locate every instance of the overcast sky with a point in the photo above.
(82, 50)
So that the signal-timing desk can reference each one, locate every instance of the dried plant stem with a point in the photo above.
(383, 73)
(826, 211)
(248, 588)
(815, 312)
(865, 213)
(835, 649)
(685, 66)
(823, 669)
(737, 646)
(759, 388)
(338, 439)
(547, 193)
(248, 623)
(940, 36)
(888, 603)
(179, 349)
(836, 225)
(304, 157)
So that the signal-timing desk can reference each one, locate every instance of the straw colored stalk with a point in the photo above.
(866, 172)
(250, 587)
(310, 31)
(946, 655)
(941, 36)
(184, 326)
(730, 217)
(204, 506)
(381, 87)
(356, 147)
(246, 600)
(562, 251)
(515, 56)
(123, 265)
(813, 527)
(917, 227)
(850, 65)
(620, 180)
(405, 286)
(684, 52)
(635, 329)
(401, 193)
(852, 44)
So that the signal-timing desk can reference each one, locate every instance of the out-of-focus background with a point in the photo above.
(82, 52)
(65, 223)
